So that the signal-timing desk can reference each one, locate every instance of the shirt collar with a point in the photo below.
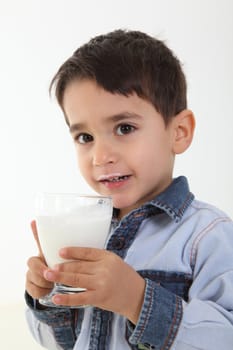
(175, 199)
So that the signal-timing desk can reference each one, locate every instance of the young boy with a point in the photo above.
(165, 280)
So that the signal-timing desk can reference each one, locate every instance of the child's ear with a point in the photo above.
(184, 125)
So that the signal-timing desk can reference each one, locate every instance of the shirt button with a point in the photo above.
(118, 243)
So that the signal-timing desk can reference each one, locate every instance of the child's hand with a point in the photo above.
(36, 285)
(111, 283)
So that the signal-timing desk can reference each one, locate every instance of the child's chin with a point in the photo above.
(123, 206)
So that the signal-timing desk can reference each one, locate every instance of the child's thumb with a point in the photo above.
(35, 234)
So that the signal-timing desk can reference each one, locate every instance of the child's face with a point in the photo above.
(123, 147)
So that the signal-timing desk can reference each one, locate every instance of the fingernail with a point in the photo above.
(49, 275)
(62, 252)
(57, 299)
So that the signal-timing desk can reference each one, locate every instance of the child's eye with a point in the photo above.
(124, 129)
(83, 138)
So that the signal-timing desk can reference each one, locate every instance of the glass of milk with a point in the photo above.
(67, 219)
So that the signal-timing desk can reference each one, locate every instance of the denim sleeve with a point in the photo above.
(159, 319)
(205, 321)
(52, 328)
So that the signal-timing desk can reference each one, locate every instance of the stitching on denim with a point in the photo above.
(176, 212)
(149, 311)
(174, 326)
(167, 276)
(193, 253)
(186, 203)
(126, 230)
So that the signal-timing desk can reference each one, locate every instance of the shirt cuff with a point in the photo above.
(52, 316)
(33, 304)
(159, 319)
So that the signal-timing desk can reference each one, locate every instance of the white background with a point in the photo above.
(36, 152)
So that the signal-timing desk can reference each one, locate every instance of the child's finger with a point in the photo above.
(80, 253)
(35, 234)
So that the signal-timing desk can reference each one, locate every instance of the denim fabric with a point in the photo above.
(119, 243)
(169, 307)
(170, 287)
(63, 322)
(183, 248)
(176, 282)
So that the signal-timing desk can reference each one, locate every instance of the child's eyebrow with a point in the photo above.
(110, 119)
(123, 116)
(76, 127)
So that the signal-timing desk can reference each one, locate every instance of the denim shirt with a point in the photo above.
(184, 250)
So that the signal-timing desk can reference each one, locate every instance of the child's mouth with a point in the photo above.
(116, 179)
(113, 180)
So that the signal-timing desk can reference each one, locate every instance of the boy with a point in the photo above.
(165, 280)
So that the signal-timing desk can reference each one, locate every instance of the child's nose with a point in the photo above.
(103, 153)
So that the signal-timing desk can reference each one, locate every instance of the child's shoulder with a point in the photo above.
(208, 220)
(211, 227)
(207, 210)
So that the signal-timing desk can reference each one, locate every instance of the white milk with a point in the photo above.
(86, 229)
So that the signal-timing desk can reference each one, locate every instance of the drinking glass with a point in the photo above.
(67, 219)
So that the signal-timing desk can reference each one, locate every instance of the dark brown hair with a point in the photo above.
(124, 62)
